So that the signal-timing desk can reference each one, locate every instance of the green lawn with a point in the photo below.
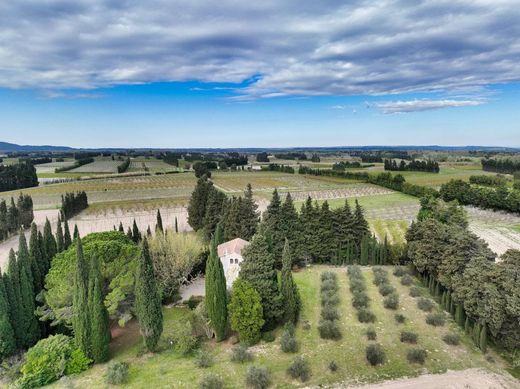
(169, 369)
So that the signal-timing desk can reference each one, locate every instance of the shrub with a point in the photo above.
(360, 300)
(391, 301)
(116, 373)
(451, 338)
(425, 304)
(333, 366)
(288, 342)
(306, 325)
(400, 318)
(415, 291)
(241, 354)
(375, 354)
(299, 368)
(289, 327)
(328, 275)
(329, 285)
(436, 319)
(408, 337)
(268, 337)
(329, 299)
(203, 359)
(329, 313)
(407, 280)
(380, 278)
(366, 316)
(386, 289)
(329, 329)
(357, 286)
(371, 333)
(416, 355)
(50, 359)
(400, 271)
(211, 381)
(257, 377)
(245, 311)
(184, 340)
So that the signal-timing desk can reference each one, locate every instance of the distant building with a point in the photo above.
(230, 254)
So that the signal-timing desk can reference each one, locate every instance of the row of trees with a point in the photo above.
(16, 216)
(274, 167)
(499, 198)
(79, 162)
(462, 267)
(488, 180)
(500, 165)
(73, 203)
(413, 165)
(123, 167)
(18, 176)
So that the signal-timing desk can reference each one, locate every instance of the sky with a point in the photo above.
(175, 74)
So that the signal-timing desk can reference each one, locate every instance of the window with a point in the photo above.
(230, 260)
(236, 260)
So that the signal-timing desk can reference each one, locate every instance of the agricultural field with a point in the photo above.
(151, 165)
(170, 368)
(52, 166)
(98, 166)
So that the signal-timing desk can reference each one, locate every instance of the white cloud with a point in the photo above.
(288, 48)
(390, 107)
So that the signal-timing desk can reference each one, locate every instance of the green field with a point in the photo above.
(169, 369)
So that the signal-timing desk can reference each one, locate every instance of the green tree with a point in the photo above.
(325, 232)
(288, 288)
(121, 228)
(483, 339)
(136, 235)
(273, 222)
(99, 327)
(60, 240)
(176, 225)
(12, 286)
(75, 235)
(7, 338)
(80, 319)
(291, 227)
(31, 329)
(249, 214)
(159, 225)
(258, 268)
(214, 208)
(216, 293)
(49, 244)
(148, 300)
(36, 259)
(361, 225)
(67, 241)
(245, 312)
(198, 201)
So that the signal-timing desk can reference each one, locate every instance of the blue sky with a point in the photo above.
(276, 74)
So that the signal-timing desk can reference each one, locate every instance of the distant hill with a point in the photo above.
(6, 147)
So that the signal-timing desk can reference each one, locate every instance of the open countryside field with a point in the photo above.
(98, 166)
(170, 369)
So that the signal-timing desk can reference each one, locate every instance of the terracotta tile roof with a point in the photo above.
(234, 246)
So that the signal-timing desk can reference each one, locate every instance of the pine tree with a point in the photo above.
(99, 328)
(67, 241)
(273, 222)
(258, 268)
(288, 289)
(361, 225)
(121, 229)
(291, 227)
(12, 286)
(148, 300)
(80, 318)
(159, 225)
(344, 228)
(7, 338)
(60, 240)
(136, 235)
(36, 259)
(75, 235)
(216, 293)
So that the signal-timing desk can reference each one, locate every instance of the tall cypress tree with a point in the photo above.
(80, 318)
(291, 227)
(288, 289)
(273, 222)
(129, 233)
(99, 328)
(12, 286)
(36, 258)
(231, 222)
(7, 338)
(159, 225)
(176, 225)
(216, 294)
(29, 323)
(60, 240)
(360, 223)
(219, 235)
(121, 228)
(148, 300)
(249, 214)
(76, 232)
(49, 244)
(136, 235)
(198, 201)
(67, 241)
(325, 233)
(259, 269)
(214, 210)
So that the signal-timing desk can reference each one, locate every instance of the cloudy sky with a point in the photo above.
(165, 73)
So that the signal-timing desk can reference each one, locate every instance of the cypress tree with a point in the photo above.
(31, 329)
(467, 325)
(7, 338)
(198, 201)
(258, 268)
(483, 339)
(288, 289)
(129, 233)
(216, 294)
(36, 259)
(99, 328)
(459, 314)
(476, 334)
(24, 260)
(148, 300)
(12, 286)
(437, 291)
(360, 223)
(121, 229)
(60, 240)
(159, 225)
(214, 208)
(364, 251)
(76, 232)
(325, 233)
(176, 225)
(231, 222)
(273, 222)
(249, 214)
(49, 244)
(80, 318)
(67, 241)
(148, 232)
(219, 235)
(291, 227)
(136, 235)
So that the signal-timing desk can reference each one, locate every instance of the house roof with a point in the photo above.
(234, 246)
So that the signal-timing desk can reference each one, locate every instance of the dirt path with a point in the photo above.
(464, 379)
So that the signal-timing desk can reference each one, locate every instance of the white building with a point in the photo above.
(231, 258)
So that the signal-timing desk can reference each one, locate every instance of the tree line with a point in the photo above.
(262, 157)
(76, 164)
(123, 167)
(500, 165)
(15, 216)
(498, 198)
(73, 203)
(462, 273)
(291, 156)
(274, 167)
(341, 166)
(488, 180)
(414, 165)
(18, 176)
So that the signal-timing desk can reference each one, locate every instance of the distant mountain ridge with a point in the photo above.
(6, 147)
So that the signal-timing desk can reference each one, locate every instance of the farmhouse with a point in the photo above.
(231, 258)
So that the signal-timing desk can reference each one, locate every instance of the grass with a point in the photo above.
(348, 353)
(516, 227)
